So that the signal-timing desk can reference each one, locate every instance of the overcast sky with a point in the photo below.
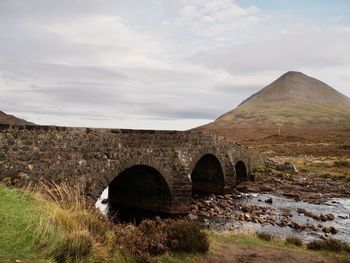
(161, 64)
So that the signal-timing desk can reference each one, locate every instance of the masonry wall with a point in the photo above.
(92, 158)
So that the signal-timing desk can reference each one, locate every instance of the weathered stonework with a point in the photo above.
(93, 158)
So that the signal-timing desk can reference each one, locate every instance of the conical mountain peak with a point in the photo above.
(294, 98)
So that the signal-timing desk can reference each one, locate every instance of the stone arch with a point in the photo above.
(140, 186)
(208, 172)
(241, 172)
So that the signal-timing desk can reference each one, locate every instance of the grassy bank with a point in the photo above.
(56, 225)
(17, 214)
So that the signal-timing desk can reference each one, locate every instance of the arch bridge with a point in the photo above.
(147, 169)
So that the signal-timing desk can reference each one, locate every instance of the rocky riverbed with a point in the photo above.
(278, 215)
(283, 216)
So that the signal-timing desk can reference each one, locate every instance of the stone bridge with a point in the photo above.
(154, 170)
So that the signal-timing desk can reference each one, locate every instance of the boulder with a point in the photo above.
(287, 167)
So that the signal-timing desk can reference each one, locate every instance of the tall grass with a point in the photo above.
(61, 226)
(71, 230)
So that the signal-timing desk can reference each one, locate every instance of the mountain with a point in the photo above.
(12, 120)
(292, 100)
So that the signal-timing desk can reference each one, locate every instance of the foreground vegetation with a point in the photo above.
(56, 225)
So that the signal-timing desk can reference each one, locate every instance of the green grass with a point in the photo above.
(55, 224)
(17, 214)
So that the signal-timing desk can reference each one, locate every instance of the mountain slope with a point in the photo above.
(12, 120)
(294, 99)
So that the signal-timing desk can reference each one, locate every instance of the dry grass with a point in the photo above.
(265, 236)
(68, 229)
(294, 241)
(329, 244)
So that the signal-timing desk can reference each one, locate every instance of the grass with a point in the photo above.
(42, 227)
(329, 244)
(342, 164)
(294, 241)
(265, 236)
(17, 213)
(55, 224)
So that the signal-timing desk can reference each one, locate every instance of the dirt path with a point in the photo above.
(232, 253)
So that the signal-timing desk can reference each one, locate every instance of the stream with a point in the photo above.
(338, 207)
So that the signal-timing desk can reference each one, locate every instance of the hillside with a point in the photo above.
(290, 109)
(294, 99)
(12, 120)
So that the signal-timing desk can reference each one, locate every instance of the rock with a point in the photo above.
(301, 210)
(230, 202)
(343, 217)
(329, 230)
(217, 209)
(247, 217)
(202, 214)
(287, 167)
(104, 201)
(271, 164)
(333, 230)
(323, 218)
(223, 204)
(194, 207)
(330, 217)
(297, 226)
(30, 167)
(269, 201)
(246, 209)
(192, 217)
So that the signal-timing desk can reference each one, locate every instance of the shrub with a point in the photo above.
(187, 237)
(264, 236)
(329, 244)
(293, 240)
(154, 237)
(342, 163)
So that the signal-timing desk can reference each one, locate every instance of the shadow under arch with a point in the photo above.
(207, 175)
(241, 172)
(140, 187)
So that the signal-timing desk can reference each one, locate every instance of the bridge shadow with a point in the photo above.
(241, 172)
(141, 192)
(207, 175)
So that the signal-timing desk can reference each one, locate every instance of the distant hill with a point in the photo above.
(12, 120)
(293, 100)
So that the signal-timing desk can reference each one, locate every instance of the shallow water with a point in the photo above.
(336, 206)
(102, 207)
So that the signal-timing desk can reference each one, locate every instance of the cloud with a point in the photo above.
(159, 64)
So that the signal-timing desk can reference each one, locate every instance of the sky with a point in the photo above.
(161, 64)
